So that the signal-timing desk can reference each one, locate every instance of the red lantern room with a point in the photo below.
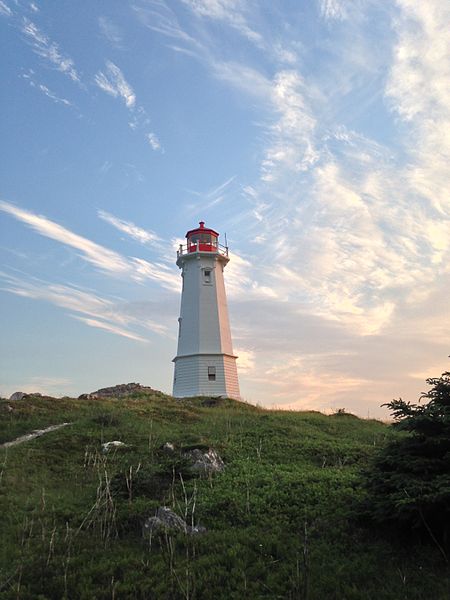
(202, 239)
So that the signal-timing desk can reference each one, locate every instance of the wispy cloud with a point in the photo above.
(244, 78)
(291, 128)
(99, 256)
(340, 213)
(240, 16)
(103, 258)
(212, 197)
(110, 30)
(217, 191)
(230, 12)
(142, 236)
(64, 296)
(351, 230)
(157, 16)
(246, 362)
(105, 167)
(111, 328)
(114, 316)
(114, 83)
(157, 271)
(418, 92)
(154, 142)
(49, 50)
(332, 9)
(44, 89)
(4, 9)
(242, 280)
(342, 221)
(304, 369)
(292, 143)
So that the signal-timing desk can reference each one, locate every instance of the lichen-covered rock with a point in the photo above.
(17, 396)
(117, 391)
(167, 521)
(164, 520)
(113, 445)
(23, 395)
(205, 462)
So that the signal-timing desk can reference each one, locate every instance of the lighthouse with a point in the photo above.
(205, 364)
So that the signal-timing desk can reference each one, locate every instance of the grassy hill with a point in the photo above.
(280, 518)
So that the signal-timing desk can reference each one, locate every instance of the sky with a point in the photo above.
(314, 133)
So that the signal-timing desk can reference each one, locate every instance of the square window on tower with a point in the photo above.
(207, 275)
(211, 373)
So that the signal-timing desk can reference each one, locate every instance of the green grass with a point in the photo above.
(280, 519)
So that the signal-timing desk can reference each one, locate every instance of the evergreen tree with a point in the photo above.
(409, 483)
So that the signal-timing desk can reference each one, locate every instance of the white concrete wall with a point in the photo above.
(191, 376)
(204, 337)
(231, 378)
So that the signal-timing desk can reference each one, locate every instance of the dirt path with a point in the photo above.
(34, 434)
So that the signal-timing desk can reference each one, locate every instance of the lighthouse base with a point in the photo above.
(206, 375)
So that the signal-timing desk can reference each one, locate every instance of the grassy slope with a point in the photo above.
(278, 518)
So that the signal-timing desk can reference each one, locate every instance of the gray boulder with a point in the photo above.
(205, 462)
(17, 396)
(197, 529)
(114, 445)
(166, 521)
(22, 395)
(117, 391)
(168, 448)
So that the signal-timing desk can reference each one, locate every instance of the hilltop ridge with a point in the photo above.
(279, 520)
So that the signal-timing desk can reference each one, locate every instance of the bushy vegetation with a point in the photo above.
(409, 482)
(280, 517)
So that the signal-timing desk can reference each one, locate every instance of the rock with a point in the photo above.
(34, 434)
(205, 462)
(166, 521)
(18, 396)
(117, 391)
(23, 395)
(197, 529)
(114, 445)
(168, 448)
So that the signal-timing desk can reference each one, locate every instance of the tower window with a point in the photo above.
(211, 373)
(207, 275)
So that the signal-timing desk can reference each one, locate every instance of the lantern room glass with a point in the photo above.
(203, 241)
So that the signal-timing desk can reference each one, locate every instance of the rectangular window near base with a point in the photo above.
(211, 373)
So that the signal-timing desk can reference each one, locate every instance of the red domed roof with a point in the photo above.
(202, 229)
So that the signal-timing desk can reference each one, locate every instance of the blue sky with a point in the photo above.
(316, 134)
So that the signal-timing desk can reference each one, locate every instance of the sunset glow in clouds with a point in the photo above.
(315, 134)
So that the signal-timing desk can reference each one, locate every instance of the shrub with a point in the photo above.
(409, 482)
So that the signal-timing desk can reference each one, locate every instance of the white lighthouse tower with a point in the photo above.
(205, 364)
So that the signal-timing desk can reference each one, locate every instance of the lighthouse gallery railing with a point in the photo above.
(202, 247)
